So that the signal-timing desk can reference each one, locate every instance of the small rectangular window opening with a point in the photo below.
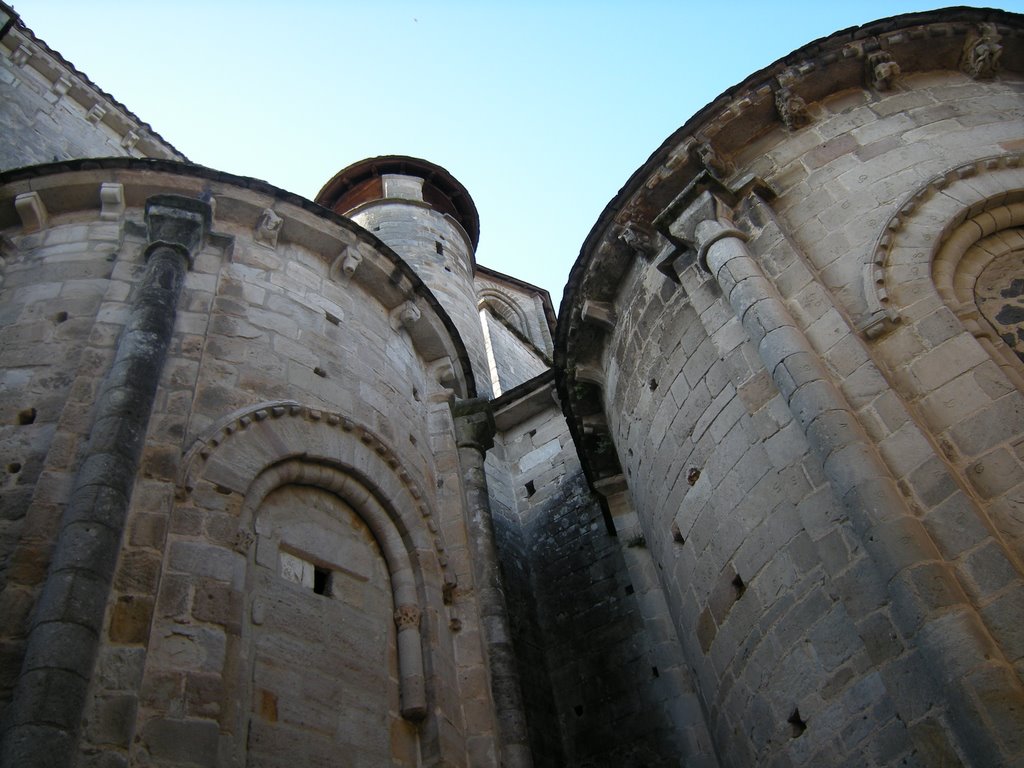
(739, 586)
(321, 580)
(530, 489)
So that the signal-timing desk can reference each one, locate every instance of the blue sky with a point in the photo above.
(542, 110)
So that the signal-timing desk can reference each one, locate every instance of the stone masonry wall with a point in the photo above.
(528, 636)
(52, 112)
(60, 290)
(915, 164)
(568, 581)
(745, 534)
(278, 330)
(842, 179)
(523, 308)
(286, 369)
(440, 252)
(514, 361)
(825, 462)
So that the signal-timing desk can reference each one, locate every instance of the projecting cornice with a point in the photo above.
(253, 211)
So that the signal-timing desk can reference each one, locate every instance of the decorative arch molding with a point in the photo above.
(505, 306)
(380, 517)
(235, 453)
(922, 276)
(917, 255)
(973, 247)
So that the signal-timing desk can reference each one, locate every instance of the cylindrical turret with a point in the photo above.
(423, 213)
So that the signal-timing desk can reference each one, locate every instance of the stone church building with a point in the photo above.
(299, 483)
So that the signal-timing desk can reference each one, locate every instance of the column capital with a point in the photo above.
(474, 423)
(705, 199)
(177, 222)
(407, 617)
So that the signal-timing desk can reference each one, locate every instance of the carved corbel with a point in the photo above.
(881, 70)
(129, 140)
(61, 86)
(703, 205)
(22, 54)
(346, 263)
(405, 315)
(96, 113)
(638, 240)
(880, 318)
(474, 424)
(878, 324)
(600, 313)
(791, 108)
(982, 52)
(716, 165)
(111, 201)
(32, 211)
(268, 227)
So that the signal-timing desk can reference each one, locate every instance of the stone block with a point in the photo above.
(30, 743)
(148, 530)
(110, 720)
(186, 742)
(39, 705)
(205, 560)
(995, 473)
(120, 669)
(138, 572)
(922, 591)
(204, 694)
(757, 391)
(862, 589)
(947, 361)
(1002, 420)
(881, 639)
(706, 630)
(188, 648)
(75, 597)
(1002, 616)
(130, 619)
(218, 603)
(931, 740)
(104, 759)
(989, 570)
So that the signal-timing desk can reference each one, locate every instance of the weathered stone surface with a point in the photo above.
(756, 501)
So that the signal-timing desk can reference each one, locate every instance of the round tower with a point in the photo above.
(428, 218)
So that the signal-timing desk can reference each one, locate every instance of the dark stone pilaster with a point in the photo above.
(474, 432)
(45, 715)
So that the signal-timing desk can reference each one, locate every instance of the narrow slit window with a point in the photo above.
(321, 580)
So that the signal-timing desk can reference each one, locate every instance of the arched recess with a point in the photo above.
(406, 582)
(926, 286)
(505, 308)
(981, 253)
(918, 254)
(282, 445)
(238, 448)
